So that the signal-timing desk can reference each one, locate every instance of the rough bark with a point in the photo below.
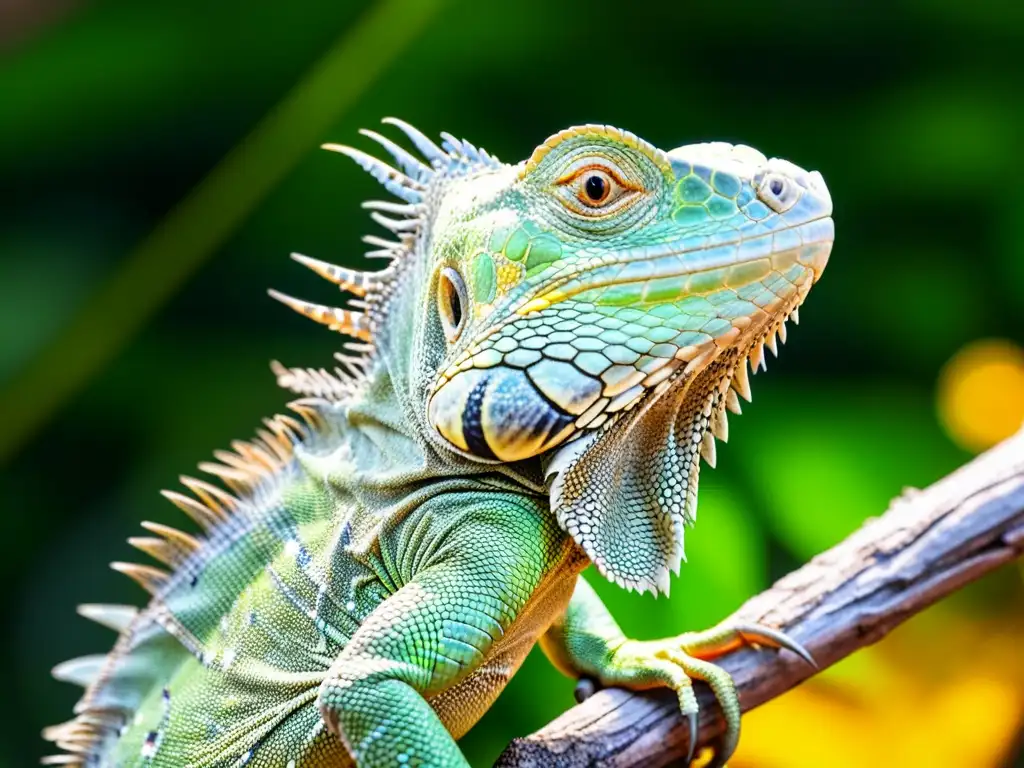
(927, 544)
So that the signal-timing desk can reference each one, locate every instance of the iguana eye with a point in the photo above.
(451, 302)
(595, 190)
(596, 187)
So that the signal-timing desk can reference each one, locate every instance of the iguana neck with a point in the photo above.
(377, 445)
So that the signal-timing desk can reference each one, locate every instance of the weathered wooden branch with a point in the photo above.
(928, 544)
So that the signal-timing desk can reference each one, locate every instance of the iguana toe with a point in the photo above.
(675, 662)
(718, 641)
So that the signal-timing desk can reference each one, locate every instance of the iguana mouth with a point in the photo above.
(657, 272)
(733, 351)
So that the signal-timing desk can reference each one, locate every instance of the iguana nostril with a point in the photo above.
(776, 186)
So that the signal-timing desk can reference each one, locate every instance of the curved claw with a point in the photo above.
(691, 719)
(718, 757)
(724, 639)
(690, 711)
(758, 633)
(722, 687)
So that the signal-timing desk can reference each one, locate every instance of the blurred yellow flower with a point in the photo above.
(981, 393)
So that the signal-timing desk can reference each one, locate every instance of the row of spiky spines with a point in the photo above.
(739, 380)
(249, 463)
(242, 470)
(410, 182)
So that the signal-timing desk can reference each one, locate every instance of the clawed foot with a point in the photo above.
(675, 662)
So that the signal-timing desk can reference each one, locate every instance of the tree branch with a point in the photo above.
(928, 544)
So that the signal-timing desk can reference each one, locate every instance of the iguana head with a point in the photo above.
(594, 308)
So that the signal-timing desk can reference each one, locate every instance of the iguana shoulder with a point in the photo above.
(224, 663)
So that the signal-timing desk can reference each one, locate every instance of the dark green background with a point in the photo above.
(112, 112)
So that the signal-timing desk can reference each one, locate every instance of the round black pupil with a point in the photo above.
(776, 187)
(454, 305)
(595, 187)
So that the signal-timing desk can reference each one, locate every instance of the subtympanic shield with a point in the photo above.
(509, 414)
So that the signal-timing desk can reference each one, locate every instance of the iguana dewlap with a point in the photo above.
(548, 352)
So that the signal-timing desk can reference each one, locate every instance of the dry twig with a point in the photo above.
(928, 544)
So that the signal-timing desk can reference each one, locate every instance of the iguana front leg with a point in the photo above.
(431, 658)
(586, 642)
(374, 695)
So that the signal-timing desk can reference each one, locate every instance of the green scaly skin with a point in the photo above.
(550, 350)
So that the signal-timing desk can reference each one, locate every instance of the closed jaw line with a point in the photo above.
(664, 262)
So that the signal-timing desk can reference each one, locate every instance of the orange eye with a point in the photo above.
(594, 189)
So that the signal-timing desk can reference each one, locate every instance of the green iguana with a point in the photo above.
(547, 354)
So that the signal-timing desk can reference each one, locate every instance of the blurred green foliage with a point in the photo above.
(112, 113)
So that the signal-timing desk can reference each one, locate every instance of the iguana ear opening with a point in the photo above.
(626, 493)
